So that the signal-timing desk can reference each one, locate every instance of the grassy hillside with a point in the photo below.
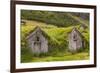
(60, 19)
(57, 43)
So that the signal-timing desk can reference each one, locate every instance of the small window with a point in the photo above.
(75, 37)
(37, 38)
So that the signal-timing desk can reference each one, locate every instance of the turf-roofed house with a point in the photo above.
(38, 40)
(76, 40)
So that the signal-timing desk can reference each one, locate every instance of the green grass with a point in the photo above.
(65, 57)
(82, 21)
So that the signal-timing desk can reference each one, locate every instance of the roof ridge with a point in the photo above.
(36, 29)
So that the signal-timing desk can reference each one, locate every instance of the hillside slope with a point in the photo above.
(60, 19)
